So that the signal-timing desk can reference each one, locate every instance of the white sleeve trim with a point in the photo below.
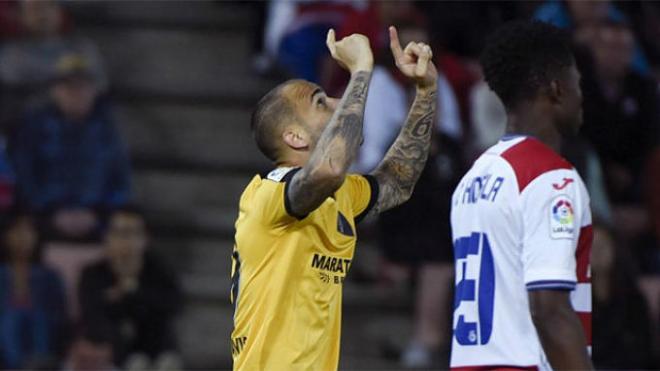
(551, 285)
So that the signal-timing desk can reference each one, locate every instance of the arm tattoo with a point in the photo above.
(405, 160)
(334, 151)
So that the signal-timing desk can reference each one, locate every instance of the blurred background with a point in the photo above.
(126, 145)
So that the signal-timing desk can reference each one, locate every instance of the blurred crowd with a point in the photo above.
(80, 288)
(617, 153)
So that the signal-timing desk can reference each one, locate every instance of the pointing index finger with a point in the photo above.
(395, 45)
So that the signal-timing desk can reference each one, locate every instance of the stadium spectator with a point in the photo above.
(69, 159)
(301, 44)
(582, 16)
(131, 291)
(372, 21)
(275, 23)
(622, 327)
(386, 107)
(91, 350)
(416, 234)
(645, 21)
(488, 117)
(458, 31)
(621, 120)
(33, 316)
(27, 62)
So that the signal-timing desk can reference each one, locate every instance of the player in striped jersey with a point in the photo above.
(520, 218)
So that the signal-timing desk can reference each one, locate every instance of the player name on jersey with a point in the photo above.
(481, 188)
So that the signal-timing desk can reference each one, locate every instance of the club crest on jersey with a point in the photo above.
(562, 218)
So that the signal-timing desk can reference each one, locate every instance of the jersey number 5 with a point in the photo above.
(475, 290)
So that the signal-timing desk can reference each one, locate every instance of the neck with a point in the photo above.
(287, 164)
(531, 121)
(298, 160)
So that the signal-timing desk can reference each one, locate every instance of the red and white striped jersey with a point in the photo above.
(520, 221)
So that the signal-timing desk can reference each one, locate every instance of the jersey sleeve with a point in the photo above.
(363, 192)
(552, 213)
(270, 199)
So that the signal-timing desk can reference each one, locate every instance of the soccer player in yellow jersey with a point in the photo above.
(295, 233)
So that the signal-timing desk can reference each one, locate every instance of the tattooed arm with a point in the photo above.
(337, 147)
(405, 160)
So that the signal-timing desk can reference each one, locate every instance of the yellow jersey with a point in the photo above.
(288, 272)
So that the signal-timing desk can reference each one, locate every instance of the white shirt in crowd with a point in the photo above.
(385, 113)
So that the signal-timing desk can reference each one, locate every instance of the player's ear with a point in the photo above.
(555, 92)
(295, 139)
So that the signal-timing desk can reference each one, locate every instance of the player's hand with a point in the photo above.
(352, 52)
(414, 61)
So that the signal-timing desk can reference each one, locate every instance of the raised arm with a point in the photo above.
(400, 168)
(337, 147)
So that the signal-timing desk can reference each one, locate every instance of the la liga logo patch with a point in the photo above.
(562, 212)
(562, 218)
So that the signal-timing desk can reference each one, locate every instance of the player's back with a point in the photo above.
(517, 202)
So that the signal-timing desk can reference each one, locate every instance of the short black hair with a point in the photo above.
(266, 118)
(522, 56)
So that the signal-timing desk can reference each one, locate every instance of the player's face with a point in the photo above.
(569, 115)
(313, 107)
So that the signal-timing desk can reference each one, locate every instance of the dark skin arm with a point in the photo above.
(337, 147)
(559, 329)
(405, 160)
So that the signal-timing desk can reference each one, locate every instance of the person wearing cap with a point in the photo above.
(69, 159)
(46, 34)
(27, 62)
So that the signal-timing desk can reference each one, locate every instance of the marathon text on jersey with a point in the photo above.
(331, 264)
